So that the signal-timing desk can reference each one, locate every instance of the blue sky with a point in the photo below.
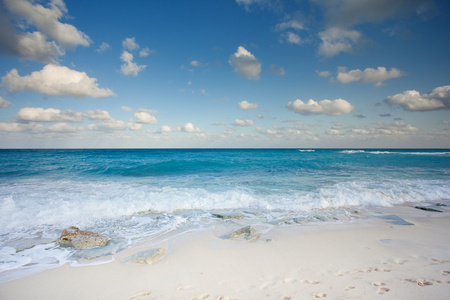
(226, 73)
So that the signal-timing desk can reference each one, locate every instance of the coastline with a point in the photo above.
(361, 259)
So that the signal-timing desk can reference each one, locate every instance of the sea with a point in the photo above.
(132, 195)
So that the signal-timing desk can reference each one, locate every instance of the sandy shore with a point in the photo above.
(370, 258)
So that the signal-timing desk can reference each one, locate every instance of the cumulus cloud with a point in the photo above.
(107, 123)
(328, 107)
(412, 100)
(37, 114)
(46, 20)
(110, 126)
(246, 105)
(98, 114)
(145, 52)
(4, 103)
(239, 122)
(126, 108)
(129, 67)
(336, 40)
(144, 116)
(276, 70)
(245, 64)
(289, 27)
(189, 127)
(293, 38)
(37, 128)
(166, 128)
(369, 75)
(397, 128)
(56, 80)
(130, 44)
(33, 46)
(266, 131)
(103, 47)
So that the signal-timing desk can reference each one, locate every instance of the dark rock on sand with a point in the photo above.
(427, 208)
(228, 215)
(74, 237)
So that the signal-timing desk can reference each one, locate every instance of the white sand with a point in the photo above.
(366, 259)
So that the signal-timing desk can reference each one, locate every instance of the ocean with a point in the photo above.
(136, 194)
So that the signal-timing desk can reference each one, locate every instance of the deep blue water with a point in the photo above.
(131, 194)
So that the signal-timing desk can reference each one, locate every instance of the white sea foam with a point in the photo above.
(352, 151)
(431, 153)
(32, 215)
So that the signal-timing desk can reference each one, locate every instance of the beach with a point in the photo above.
(372, 257)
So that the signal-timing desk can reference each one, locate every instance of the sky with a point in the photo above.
(225, 74)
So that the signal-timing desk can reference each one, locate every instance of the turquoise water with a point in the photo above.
(132, 194)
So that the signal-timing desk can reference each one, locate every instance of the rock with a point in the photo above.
(248, 233)
(228, 215)
(441, 204)
(74, 237)
(427, 208)
(282, 222)
(147, 257)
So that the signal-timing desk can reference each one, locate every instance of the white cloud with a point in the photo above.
(328, 107)
(412, 100)
(246, 105)
(108, 123)
(245, 64)
(56, 80)
(130, 44)
(276, 70)
(4, 103)
(248, 3)
(144, 117)
(266, 131)
(126, 108)
(145, 52)
(189, 127)
(46, 20)
(37, 114)
(34, 46)
(369, 75)
(293, 38)
(166, 128)
(333, 132)
(387, 129)
(336, 40)
(37, 128)
(239, 122)
(291, 24)
(98, 114)
(110, 126)
(195, 63)
(103, 47)
(130, 68)
(324, 73)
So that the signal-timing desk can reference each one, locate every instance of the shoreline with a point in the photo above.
(361, 259)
